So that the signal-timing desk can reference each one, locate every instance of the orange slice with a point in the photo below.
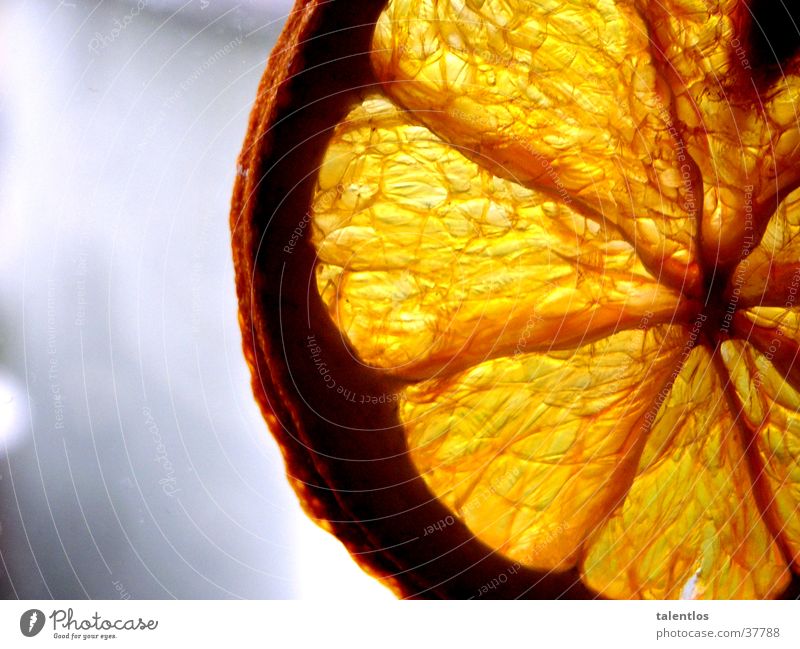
(517, 288)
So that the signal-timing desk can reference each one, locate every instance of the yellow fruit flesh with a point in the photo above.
(430, 262)
(744, 145)
(771, 408)
(690, 525)
(542, 90)
(514, 447)
(770, 275)
(520, 231)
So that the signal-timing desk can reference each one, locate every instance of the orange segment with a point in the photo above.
(724, 136)
(771, 408)
(775, 332)
(770, 276)
(558, 95)
(745, 142)
(532, 452)
(690, 526)
(429, 262)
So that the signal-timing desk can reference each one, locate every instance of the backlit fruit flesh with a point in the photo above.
(518, 286)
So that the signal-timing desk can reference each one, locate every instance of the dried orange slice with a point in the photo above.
(518, 286)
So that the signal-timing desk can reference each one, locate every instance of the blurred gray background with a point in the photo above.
(133, 460)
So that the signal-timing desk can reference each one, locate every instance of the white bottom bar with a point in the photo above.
(399, 624)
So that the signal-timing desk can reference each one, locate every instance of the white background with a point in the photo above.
(133, 459)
